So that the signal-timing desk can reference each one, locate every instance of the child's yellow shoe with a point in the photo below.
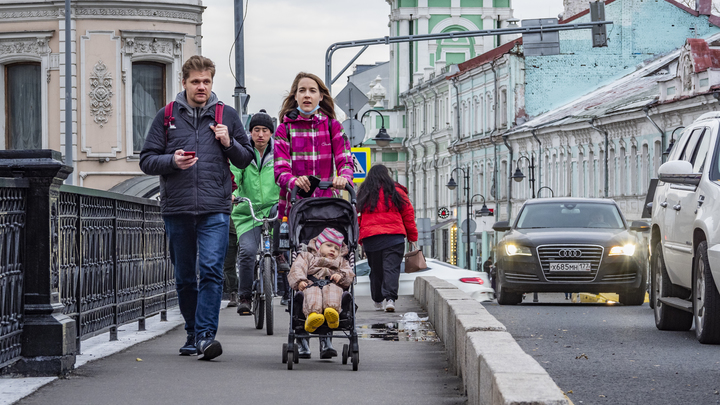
(313, 321)
(332, 318)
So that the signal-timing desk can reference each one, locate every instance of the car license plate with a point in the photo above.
(569, 266)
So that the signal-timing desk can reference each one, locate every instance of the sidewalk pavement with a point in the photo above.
(250, 369)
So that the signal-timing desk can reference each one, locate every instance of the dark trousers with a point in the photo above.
(247, 250)
(385, 272)
(230, 283)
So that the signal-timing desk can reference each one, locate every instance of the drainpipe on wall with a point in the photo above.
(539, 163)
(406, 142)
(424, 169)
(495, 165)
(414, 150)
(607, 146)
(435, 155)
(494, 186)
(646, 110)
(510, 150)
(457, 158)
(495, 128)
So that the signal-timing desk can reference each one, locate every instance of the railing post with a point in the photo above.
(48, 342)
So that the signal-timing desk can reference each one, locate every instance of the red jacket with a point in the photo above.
(389, 221)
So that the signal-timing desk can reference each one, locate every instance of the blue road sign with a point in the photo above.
(361, 163)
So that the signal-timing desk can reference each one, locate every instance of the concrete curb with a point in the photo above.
(494, 368)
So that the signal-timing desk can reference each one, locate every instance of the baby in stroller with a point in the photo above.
(322, 273)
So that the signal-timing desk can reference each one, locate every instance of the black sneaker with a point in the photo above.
(284, 300)
(208, 348)
(244, 307)
(189, 349)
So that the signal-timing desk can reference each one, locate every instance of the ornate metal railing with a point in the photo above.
(74, 263)
(114, 262)
(13, 194)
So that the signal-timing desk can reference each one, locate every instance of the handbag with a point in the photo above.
(414, 260)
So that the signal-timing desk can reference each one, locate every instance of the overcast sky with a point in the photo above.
(284, 37)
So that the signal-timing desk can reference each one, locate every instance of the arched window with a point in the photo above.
(645, 174)
(503, 108)
(148, 97)
(581, 175)
(23, 106)
(634, 171)
(592, 175)
(612, 163)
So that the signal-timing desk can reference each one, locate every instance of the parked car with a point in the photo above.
(685, 238)
(475, 283)
(571, 245)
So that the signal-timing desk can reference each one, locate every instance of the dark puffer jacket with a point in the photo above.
(205, 187)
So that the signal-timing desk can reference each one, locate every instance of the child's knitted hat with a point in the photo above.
(330, 235)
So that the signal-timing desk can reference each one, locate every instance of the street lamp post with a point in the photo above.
(552, 193)
(518, 176)
(484, 211)
(382, 139)
(452, 185)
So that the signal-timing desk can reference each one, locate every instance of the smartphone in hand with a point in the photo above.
(191, 154)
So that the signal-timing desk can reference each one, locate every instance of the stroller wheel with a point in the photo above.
(296, 352)
(290, 359)
(355, 358)
(345, 351)
(284, 353)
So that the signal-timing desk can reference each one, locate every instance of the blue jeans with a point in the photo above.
(198, 244)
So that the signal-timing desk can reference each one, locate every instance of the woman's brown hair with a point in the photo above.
(327, 105)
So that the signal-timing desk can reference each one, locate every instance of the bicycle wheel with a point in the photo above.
(258, 303)
(268, 285)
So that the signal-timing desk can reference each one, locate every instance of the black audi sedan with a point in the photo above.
(571, 245)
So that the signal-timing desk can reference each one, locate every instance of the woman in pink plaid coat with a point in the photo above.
(310, 141)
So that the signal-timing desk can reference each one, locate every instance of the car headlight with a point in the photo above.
(515, 250)
(627, 250)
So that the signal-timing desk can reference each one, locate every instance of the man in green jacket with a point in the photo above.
(257, 183)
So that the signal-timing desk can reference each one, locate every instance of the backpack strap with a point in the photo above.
(169, 120)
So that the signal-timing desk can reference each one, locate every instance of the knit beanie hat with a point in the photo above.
(329, 235)
(262, 118)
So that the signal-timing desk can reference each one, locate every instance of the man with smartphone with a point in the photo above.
(189, 149)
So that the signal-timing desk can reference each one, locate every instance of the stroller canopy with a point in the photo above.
(309, 216)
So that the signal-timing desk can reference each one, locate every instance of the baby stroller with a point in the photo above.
(307, 219)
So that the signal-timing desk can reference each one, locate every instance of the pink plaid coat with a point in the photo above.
(309, 150)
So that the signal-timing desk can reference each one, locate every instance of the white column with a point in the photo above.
(392, 87)
(488, 41)
(403, 58)
(423, 46)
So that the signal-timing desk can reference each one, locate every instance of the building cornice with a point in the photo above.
(103, 10)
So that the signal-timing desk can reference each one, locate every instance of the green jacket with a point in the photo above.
(257, 184)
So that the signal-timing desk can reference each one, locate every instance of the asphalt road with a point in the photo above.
(250, 370)
(612, 354)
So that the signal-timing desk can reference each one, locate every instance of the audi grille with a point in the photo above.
(570, 254)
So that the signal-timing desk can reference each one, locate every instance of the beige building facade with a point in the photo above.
(126, 65)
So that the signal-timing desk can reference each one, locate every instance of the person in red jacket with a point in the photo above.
(386, 218)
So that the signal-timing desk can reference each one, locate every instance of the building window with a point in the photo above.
(23, 101)
(148, 96)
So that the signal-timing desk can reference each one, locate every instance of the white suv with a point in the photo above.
(685, 238)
